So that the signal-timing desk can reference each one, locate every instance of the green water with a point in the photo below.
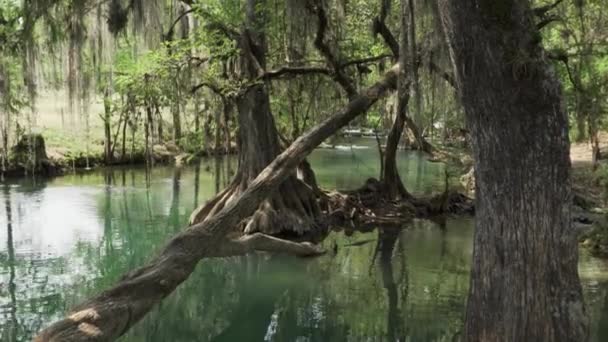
(64, 239)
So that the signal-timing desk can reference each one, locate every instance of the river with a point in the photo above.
(66, 238)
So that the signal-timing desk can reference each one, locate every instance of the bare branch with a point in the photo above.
(562, 57)
(448, 77)
(213, 87)
(289, 71)
(379, 27)
(364, 60)
(223, 29)
(541, 11)
(169, 33)
(316, 7)
(547, 20)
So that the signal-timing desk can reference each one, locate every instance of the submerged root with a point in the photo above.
(297, 212)
(291, 212)
(372, 204)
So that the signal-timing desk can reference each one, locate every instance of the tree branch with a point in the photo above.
(213, 87)
(562, 57)
(316, 7)
(223, 29)
(379, 27)
(546, 21)
(306, 70)
(444, 74)
(169, 33)
(364, 60)
(113, 312)
(541, 11)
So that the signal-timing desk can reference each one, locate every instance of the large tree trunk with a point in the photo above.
(113, 312)
(292, 209)
(524, 282)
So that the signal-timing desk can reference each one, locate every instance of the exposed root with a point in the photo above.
(370, 204)
(267, 243)
(291, 211)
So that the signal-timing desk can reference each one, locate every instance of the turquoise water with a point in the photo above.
(64, 239)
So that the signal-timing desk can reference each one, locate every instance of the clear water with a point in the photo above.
(70, 237)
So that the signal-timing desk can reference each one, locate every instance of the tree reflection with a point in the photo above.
(251, 318)
(13, 325)
(197, 182)
(602, 326)
(387, 239)
(174, 216)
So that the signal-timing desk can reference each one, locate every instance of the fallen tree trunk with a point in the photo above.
(113, 312)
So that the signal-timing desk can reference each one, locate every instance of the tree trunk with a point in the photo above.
(581, 120)
(227, 105)
(419, 142)
(147, 131)
(107, 122)
(177, 121)
(390, 177)
(217, 134)
(5, 125)
(524, 281)
(123, 152)
(594, 138)
(159, 124)
(113, 312)
(293, 208)
(5, 122)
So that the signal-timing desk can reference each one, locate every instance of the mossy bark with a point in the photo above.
(524, 280)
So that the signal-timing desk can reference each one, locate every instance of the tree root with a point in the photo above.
(291, 211)
(371, 205)
(267, 243)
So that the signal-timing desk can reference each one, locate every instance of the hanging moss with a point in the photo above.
(118, 17)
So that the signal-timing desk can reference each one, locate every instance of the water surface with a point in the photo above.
(64, 239)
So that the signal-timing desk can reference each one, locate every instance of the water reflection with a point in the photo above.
(73, 236)
(386, 245)
(10, 334)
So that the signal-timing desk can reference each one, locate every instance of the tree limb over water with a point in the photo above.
(113, 312)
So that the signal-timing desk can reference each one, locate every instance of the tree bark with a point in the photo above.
(107, 124)
(292, 209)
(390, 177)
(113, 312)
(177, 121)
(524, 281)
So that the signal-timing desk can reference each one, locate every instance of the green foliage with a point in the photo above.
(9, 27)
(13, 98)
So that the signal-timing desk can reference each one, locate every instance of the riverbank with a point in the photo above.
(590, 185)
(50, 161)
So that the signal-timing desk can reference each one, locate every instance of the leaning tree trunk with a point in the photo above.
(113, 312)
(524, 281)
(293, 208)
